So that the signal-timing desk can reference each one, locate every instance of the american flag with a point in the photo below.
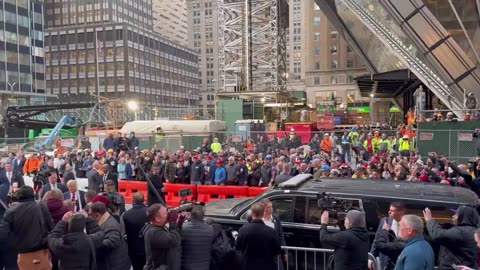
(99, 48)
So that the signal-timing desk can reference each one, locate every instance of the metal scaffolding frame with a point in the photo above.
(252, 45)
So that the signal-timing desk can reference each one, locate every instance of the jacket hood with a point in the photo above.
(467, 216)
(360, 233)
(54, 204)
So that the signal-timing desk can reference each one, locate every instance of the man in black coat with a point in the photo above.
(457, 244)
(134, 220)
(52, 183)
(107, 175)
(75, 249)
(162, 245)
(197, 239)
(258, 243)
(156, 179)
(350, 246)
(19, 162)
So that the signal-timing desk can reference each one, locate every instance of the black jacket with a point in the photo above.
(350, 247)
(157, 182)
(197, 172)
(259, 245)
(163, 246)
(48, 187)
(387, 244)
(134, 220)
(457, 243)
(17, 177)
(112, 253)
(73, 250)
(25, 222)
(197, 239)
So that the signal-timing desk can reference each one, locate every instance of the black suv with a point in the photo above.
(296, 203)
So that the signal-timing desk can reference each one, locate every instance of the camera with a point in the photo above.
(115, 201)
(185, 207)
(337, 208)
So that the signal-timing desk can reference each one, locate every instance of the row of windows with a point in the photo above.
(84, 54)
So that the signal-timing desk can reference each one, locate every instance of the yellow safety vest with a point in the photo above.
(404, 145)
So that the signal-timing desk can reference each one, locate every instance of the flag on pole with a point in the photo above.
(99, 48)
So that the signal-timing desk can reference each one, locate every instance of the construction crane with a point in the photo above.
(65, 121)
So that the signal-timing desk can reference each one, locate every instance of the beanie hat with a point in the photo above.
(102, 199)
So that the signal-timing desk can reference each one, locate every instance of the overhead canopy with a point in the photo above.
(387, 84)
(169, 126)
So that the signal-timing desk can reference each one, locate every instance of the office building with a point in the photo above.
(330, 64)
(170, 20)
(22, 66)
(202, 36)
(115, 54)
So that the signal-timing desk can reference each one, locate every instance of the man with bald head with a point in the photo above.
(134, 220)
(94, 178)
(258, 243)
(75, 195)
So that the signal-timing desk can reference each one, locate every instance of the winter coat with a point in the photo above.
(112, 253)
(457, 243)
(417, 255)
(163, 246)
(350, 247)
(259, 245)
(57, 209)
(389, 248)
(134, 220)
(197, 172)
(24, 221)
(197, 239)
(73, 249)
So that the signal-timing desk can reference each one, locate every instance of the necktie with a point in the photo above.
(9, 176)
(74, 200)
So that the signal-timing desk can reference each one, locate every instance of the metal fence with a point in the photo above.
(299, 258)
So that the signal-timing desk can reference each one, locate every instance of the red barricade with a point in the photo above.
(171, 190)
(127, 188)
(212, 193)
(255, 191)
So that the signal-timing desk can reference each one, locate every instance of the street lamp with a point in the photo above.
(133, 106)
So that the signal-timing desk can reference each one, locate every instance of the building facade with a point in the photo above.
(22, 65)
(202, 34)
(170, 20)
(119, 60)
(113, 53)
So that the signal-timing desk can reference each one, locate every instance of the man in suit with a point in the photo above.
(15, 178)
(19, 162)
(75, 195)
(258, 243)
(52, 183)
(68, 174)
(395, 213)
(94, 178)
(108, 175)
(134, 220)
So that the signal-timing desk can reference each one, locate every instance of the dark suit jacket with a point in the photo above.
(68, 196)
(111, 176)
(17, 177)
(374, 251)
(67, 176)
(259, 245)
(134, 220)
(18, 164)
(48, 187)
(94, 180)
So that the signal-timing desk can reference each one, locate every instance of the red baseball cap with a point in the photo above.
(196, 157)
(209, 158)
(102, 199)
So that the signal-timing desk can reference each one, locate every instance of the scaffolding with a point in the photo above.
(252, 45)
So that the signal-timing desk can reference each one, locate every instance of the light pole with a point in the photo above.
(133, 106)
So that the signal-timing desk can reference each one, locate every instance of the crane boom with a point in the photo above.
(66, 120)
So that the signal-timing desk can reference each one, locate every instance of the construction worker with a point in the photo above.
(384, 145)
(411, 117)
(396, 141)
(353, 135)
(404, 147)
(216, 146)
(376, 141)
(32, 164)
(370, 145)
(326, 144)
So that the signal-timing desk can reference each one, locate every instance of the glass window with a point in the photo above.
(23, 40)
(24, 59)
(316, 36)
(11, 37)
(12, 57)
(334, 64)
(349, 62)
(316, 21)
(333, 80)
(315, 6)
(316, 50)
(2, 38)
(334, 34)
(10, 17)
(316, 80)
(317, 65)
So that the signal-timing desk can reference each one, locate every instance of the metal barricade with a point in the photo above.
(299, 258)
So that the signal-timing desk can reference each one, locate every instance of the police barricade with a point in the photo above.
(255, 191)
(172, 197)
(311, 259)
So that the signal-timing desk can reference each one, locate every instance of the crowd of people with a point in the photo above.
(82, 230)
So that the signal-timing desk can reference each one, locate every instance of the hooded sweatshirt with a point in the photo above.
(57, 209)
(350, 247)
(457, 243)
